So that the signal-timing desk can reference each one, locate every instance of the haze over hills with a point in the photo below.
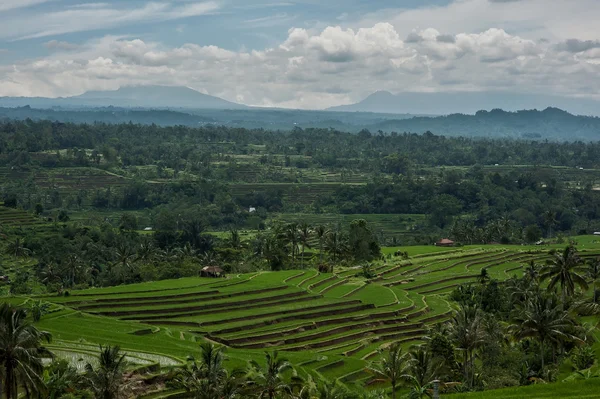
(158, 97)
(466, 103)
(551, 123)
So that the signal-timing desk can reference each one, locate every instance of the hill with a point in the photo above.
(549, 124)
(465, 102)
(160, 97)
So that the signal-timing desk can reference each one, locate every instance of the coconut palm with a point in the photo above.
(543, 319)
(484, 276)
(467, 332)
(321, 233)
(269, 382)
(532, 271)
(60, 378)
(17, 248)
(106, 381)
(550, 221)
(593, 272)
(394, 367)
(207, 378)
(565, 269)
(291, 236)
(335, 244)
(304, 234)
(423, 371)
(21, 352)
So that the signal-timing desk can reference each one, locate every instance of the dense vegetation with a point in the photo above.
(311, 228)
(549, 124)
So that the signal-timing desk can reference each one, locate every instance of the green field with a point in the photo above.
(333, 323)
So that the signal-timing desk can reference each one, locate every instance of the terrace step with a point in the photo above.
(184, 312)
(193, 297)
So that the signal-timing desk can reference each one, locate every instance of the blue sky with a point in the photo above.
(230, 24)
(305, 53)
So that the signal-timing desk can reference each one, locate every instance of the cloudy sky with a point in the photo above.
(301, 53)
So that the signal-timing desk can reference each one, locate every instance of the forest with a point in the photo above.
(98, 220)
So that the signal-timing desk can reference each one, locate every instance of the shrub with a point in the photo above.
(583, 357)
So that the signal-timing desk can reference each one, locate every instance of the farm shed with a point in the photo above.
(212, 271)
(444, 242)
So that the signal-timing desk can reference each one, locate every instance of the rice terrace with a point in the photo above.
(227, 199)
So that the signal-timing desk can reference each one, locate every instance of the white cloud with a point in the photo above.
(95, 16)
(533, 19)
(316, 70)
(6, 5)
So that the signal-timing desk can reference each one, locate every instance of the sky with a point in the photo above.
(308, 54)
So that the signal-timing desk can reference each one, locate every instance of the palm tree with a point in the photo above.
(106, 381)
(17, 248)
(321, 233)
(304, 234)
(532, 271)
(208, 378)
(21, 352)
(466, 330)
(73, 265)
(60, 378)
(424, 369)
(484, 276)
(565, 268)
(331, 390)
(125, 258)
(394, 367)
(335, 244)
(593, 271)
(269, 382)
(291, 236)
(543, 319)
(235, 239)
(550, 221)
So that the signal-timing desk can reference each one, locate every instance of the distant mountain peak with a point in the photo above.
(157, 96)
(446, 103)
(142, 96)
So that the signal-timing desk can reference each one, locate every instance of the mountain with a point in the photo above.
(466, 103)
(157, 97)
(549, 124)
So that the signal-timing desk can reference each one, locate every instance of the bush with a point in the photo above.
(583, 357)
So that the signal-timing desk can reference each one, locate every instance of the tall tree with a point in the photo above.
(394, 367)
(321, 233)
(593, 272)
(542, 318)
(21, 352)
(565, 269)
(291, 236)
(268, 381)
(304, 234)
(467, 332)
(106, 380)
(207, 378)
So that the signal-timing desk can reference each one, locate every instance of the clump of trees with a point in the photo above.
(74, 256)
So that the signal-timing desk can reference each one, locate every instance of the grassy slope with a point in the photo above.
(414, 290)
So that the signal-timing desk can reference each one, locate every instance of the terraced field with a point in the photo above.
(10, 217)
(385, 226)
(296, 193)
(331, 323)
(65, 179)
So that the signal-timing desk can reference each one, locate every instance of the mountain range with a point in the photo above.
(156, 97)
(466, 103)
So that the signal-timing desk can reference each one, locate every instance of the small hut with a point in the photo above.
(212, 271)
(444, 243)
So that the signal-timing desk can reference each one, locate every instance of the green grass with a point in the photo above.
(576, 390)
(352, 316)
